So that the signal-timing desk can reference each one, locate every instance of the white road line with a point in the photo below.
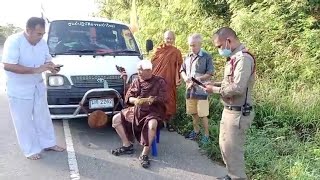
(72, 160)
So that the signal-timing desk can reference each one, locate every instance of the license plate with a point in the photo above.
(101, 103)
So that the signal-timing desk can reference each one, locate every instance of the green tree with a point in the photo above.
(7, 30)
(284, 36)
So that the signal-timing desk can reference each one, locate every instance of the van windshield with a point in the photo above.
(90, 37)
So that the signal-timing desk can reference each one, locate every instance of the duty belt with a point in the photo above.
(233, 108)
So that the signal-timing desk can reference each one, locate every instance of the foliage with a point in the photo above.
(284, 140)
(155, 17)
(7, 30)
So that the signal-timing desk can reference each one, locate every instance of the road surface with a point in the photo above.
(178, 158)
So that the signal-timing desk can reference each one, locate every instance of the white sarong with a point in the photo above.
(32, 122)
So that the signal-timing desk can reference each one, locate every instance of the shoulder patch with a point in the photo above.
(239, 54)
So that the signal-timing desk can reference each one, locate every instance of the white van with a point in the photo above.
(90, 50)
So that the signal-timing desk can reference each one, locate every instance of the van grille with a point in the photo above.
(96, 81)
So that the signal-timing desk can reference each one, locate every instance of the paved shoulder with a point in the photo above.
(178, 158)
(14, 166)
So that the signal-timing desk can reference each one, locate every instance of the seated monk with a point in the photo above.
(146, 98)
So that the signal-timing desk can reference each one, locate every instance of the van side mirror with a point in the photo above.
(149, 45)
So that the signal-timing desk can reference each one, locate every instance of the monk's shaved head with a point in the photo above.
(169, 33)
(225, 33)
(169, 37)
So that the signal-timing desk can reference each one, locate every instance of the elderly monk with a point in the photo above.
(166, 63)
(146, 98)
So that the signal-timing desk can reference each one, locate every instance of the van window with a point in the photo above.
(90, 37)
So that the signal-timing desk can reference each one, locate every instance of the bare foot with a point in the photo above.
(34, 157)
(55, 148)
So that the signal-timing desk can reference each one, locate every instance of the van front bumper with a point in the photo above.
(74, 102)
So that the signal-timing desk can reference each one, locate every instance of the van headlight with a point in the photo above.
(55, 81)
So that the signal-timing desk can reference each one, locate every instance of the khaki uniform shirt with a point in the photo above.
(233, 92)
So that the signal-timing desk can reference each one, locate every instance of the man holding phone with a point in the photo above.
(236, 92)
(197, 68)
(25, 57)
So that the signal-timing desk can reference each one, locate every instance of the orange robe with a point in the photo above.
(166, 63)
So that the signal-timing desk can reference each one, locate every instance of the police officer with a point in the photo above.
(236, 95)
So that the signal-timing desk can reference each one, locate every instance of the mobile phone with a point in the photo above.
(59, 66)
(120, 69)
(197, 82)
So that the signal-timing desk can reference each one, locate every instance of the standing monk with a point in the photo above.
(166, 63)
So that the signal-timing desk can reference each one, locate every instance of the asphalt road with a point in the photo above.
(177, 158)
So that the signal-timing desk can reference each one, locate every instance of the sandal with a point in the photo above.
(123, 150)
(144, 161)
(55, 148)
(170, 127)
(34, 157)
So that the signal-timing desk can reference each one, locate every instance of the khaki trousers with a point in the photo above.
(233, 126)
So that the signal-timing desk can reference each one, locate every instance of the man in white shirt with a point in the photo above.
(25, 57)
